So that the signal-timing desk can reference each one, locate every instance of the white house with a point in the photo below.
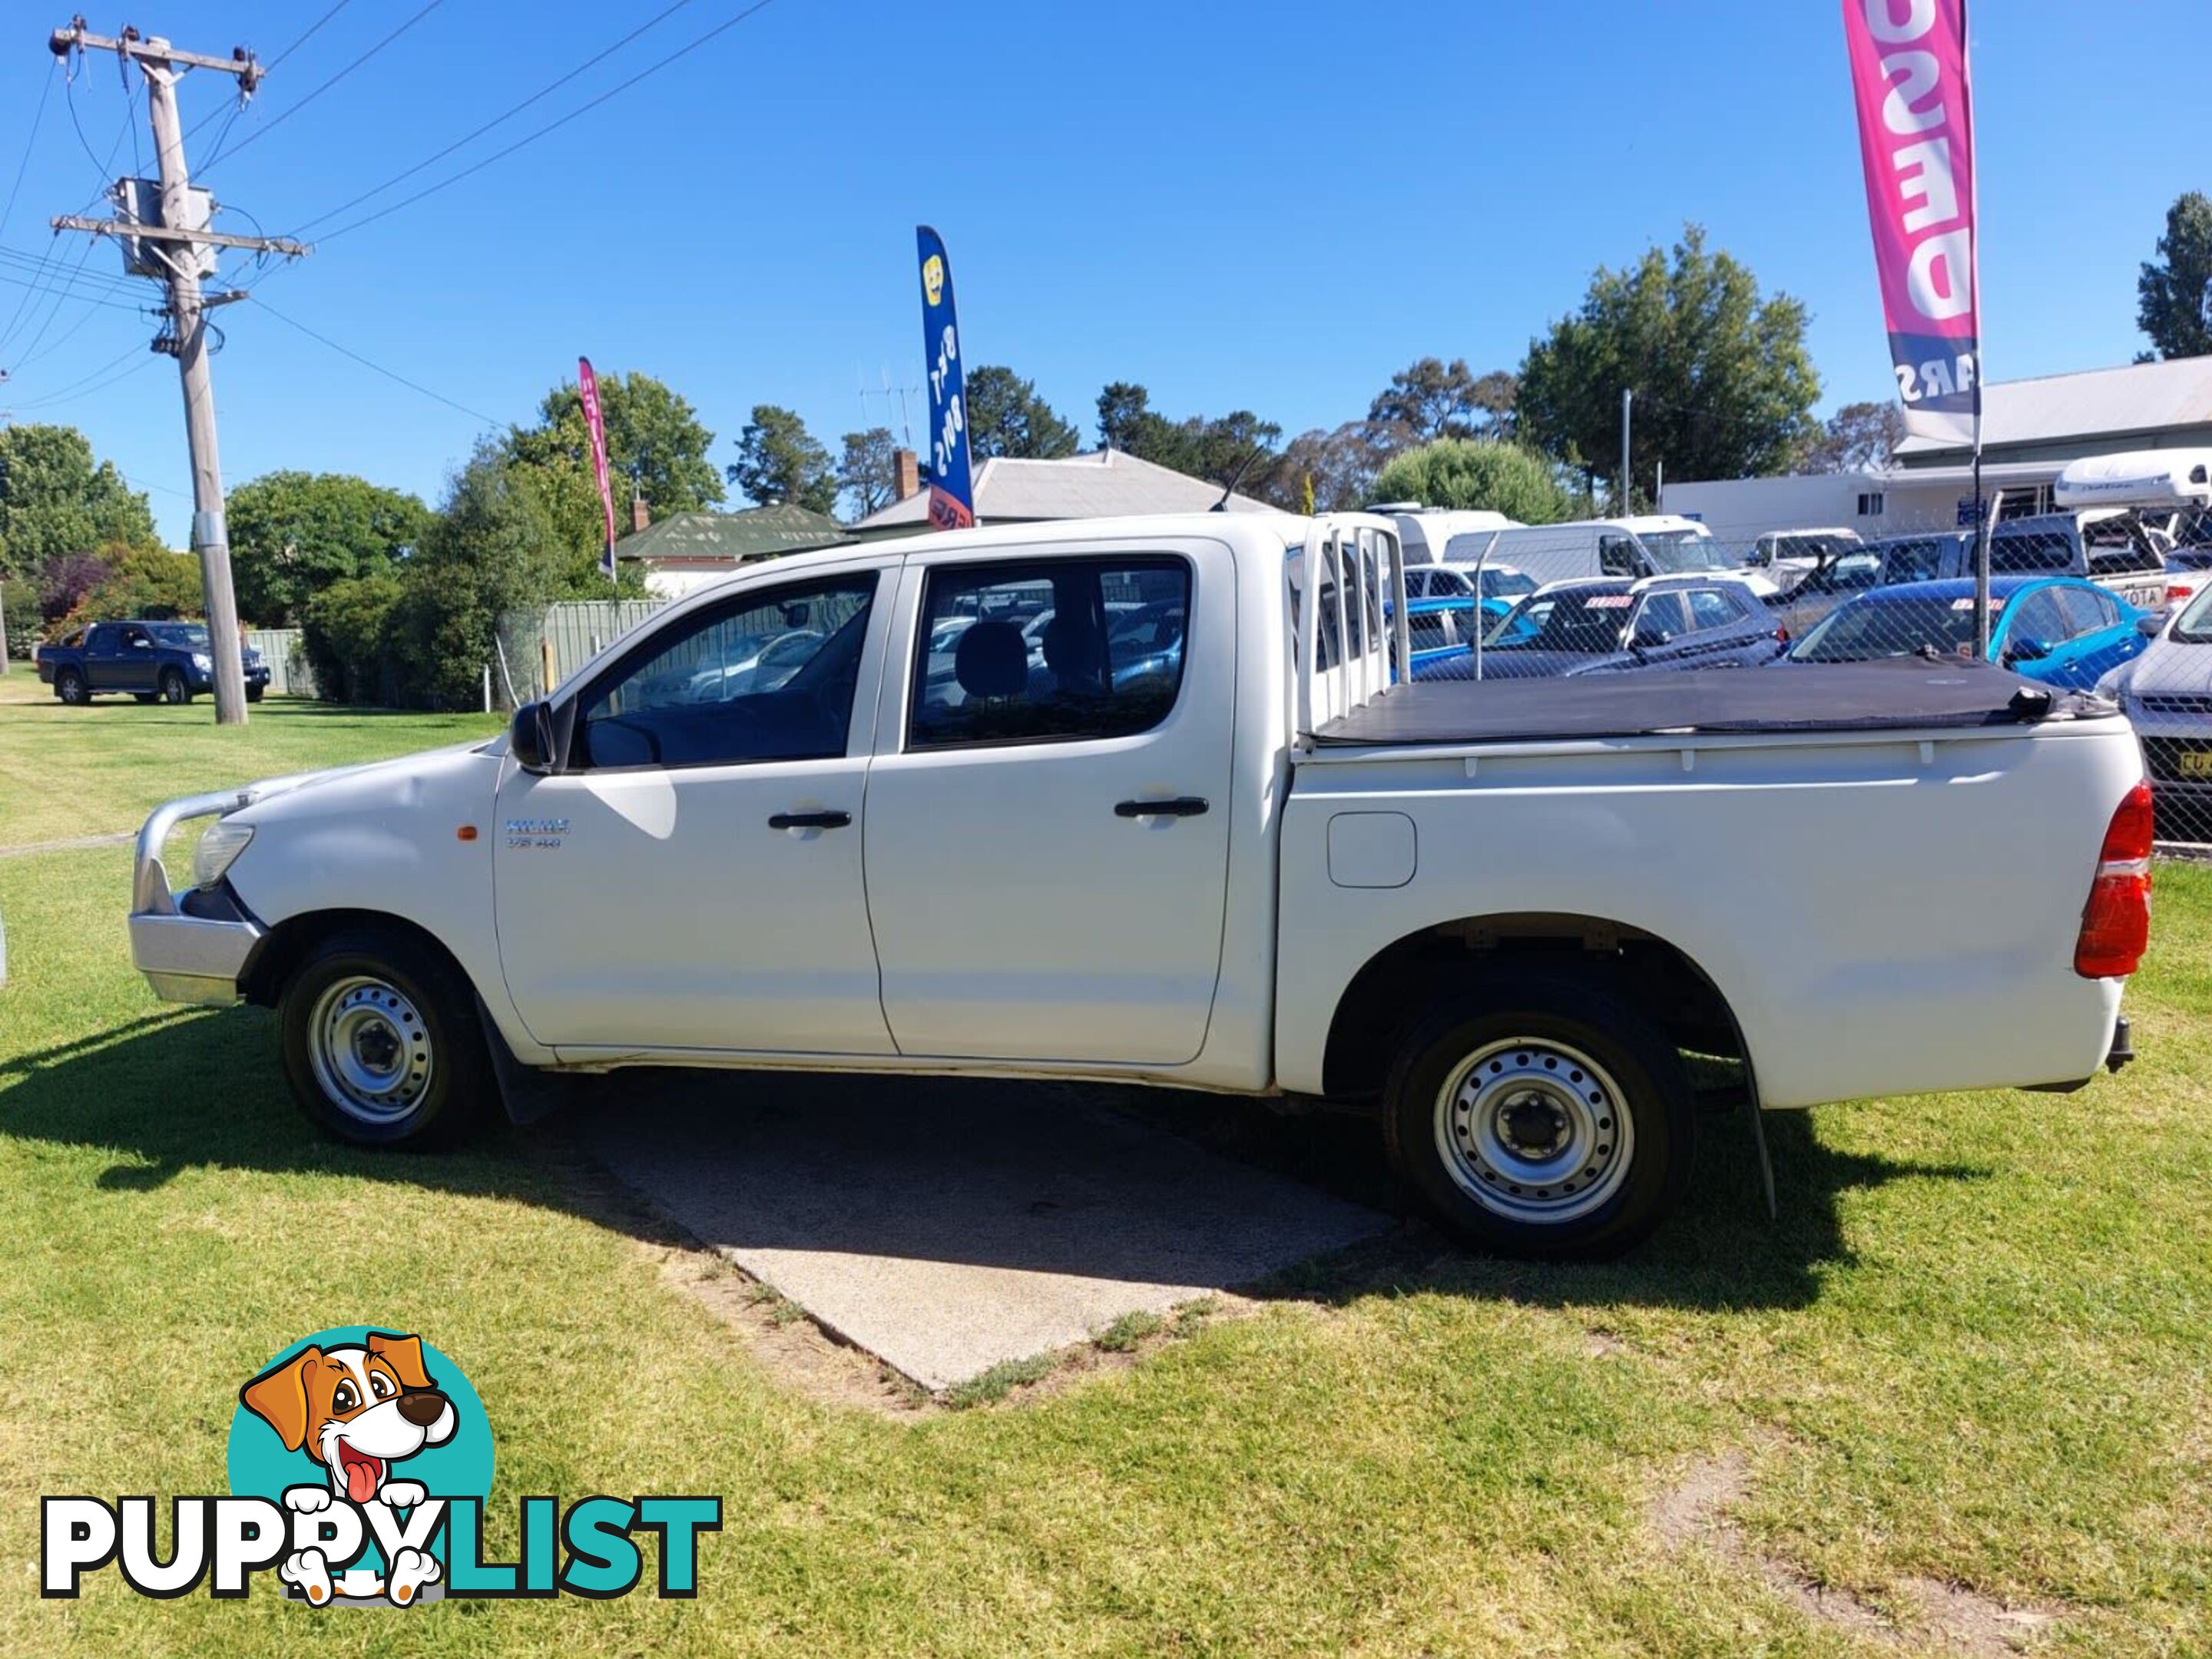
(2030, 430)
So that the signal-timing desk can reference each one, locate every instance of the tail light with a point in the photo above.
(2116, 921)
(2176, 592)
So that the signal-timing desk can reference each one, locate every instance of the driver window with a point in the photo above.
(2037, 619)
(1660, 618)
(764, 677)
(1616, 556)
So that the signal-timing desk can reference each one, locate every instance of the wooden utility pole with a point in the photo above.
(177, 242)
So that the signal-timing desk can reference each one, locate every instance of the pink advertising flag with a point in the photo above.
(587, 385)
(1917, 139)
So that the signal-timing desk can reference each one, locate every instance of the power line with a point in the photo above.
(259, 133)
(46, 88)
(488, 420)
(506, 115)
(582, 109)
(83, 387)
(237, 105)
(311, 27)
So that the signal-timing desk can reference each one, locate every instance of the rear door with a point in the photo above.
(1048, 836)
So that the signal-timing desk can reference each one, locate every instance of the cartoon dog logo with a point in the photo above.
(357, 1411)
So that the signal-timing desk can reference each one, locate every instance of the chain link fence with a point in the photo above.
(2100, 601)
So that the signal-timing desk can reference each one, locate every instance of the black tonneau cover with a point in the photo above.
(1895, 693)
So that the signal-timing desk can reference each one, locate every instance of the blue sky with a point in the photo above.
(1268, 206)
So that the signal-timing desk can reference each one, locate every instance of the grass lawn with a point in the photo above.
(1975, 1352)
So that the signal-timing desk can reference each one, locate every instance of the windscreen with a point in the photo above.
(2195, 625)
(1587, 620)
(1864, 630)
(1676, 552)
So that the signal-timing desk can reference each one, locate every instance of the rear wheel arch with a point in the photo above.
(1396, 988)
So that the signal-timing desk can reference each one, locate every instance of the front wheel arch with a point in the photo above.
(285, 945)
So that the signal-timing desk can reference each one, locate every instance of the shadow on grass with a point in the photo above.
(171, 1092)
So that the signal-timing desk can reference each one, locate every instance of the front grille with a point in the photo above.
(2168, 703)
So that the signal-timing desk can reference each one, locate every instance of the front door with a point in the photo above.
(691, 879)
(121, 660)
(1048, 814)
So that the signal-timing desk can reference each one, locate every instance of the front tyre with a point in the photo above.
(174, 688)
(1541, 1116)
(253, 692)
(381, 1042)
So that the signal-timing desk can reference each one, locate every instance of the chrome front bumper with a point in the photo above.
(185, 958)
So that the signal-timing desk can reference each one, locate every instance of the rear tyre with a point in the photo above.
(381, 1042)
(1541, 1116)
(253, 692)
(69, 687)
(174, 688)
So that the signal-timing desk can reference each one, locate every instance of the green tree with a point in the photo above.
(868, 470)
(345, 630)
(1857, 438)
(1006, 416)
(1237, 447)
(779, 460)
(1432, 400)
(56, 498)
(292, 534)
(2174, 292)
(1723, 386)
(1331, 471)
(494, 552)
(1479, 474)
(656, 446)
(139, 580)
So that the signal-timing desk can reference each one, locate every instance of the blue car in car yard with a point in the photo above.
(2061, 630)
(1613, 625)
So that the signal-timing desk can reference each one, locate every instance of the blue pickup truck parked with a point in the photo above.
(153, 661)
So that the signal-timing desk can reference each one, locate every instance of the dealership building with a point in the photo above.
(2030, 430)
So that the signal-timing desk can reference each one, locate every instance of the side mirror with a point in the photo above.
(142, 645)
(530, 737)
(2152, 626)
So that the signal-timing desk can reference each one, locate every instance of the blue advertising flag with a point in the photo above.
(952, 496)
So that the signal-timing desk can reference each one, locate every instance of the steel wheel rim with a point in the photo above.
(1534, 1130)
(370, 1050)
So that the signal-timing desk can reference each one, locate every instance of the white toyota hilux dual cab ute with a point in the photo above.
(1147, 800)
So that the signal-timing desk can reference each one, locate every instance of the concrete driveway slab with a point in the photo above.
(946, 1225)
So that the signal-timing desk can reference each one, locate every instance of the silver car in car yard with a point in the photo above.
(2167, 695)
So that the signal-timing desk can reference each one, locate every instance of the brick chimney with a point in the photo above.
(641, 514)
(907, 466)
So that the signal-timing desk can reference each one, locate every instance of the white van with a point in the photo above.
(1425, 532)
(1648, 544)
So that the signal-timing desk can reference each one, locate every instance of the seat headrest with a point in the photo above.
(1070, 652)
(992, 660)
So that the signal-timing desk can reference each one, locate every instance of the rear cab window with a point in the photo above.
(1057, 651)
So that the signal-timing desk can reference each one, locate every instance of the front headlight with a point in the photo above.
(204, 662)
(218, 850)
